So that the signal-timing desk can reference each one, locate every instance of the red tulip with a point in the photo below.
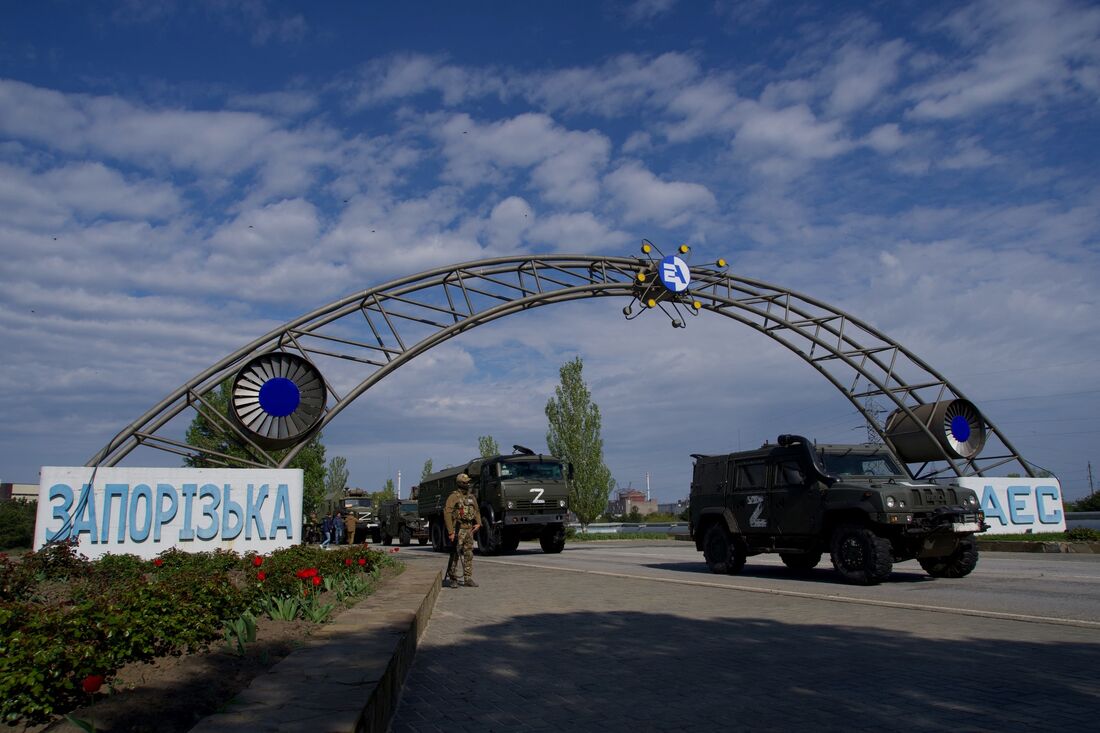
(92, 683)
(347, 561)
(316, 580)
(261, 576)
(362, 561)
(257, 561)
(158, 562)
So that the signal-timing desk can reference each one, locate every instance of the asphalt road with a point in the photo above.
(638, 636)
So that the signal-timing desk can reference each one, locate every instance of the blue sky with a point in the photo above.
(177, 178)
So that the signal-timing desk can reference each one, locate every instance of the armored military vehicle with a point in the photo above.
(856, 502)
(400, 519)
(359, 503)
(523, 496)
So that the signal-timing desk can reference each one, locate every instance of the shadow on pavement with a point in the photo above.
(633, 671)
(821, 574)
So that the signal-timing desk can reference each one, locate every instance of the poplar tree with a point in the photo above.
(426, 471)
(336, 478)
(574, 436)
(487, 445)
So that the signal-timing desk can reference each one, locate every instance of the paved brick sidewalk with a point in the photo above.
(541, 650)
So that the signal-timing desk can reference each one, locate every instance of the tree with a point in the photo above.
(215, 436)
(487, 445)
(426, 471)
(574, 436)
(336, 478)
(388, 492)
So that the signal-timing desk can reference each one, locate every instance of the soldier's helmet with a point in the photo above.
(462, 480)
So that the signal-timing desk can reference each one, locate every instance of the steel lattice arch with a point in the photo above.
(382, 328)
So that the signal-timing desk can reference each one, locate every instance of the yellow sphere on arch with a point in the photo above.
(684, 249)
(652, 303)
(641, 277)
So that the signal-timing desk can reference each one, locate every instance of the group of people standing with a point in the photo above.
(337, 528)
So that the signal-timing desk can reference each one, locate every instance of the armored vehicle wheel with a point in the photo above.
(860, 556)
(800, 561)
(406, 537)
(956, 565)
(552, 540)
(386, 539)
(724, 554)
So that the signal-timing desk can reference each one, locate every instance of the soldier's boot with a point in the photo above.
(469, 583)
(452, 583)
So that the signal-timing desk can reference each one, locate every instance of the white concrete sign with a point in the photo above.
(1016, 505)
(144, 511)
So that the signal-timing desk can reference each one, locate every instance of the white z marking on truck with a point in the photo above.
(538, 496)
(757, 519)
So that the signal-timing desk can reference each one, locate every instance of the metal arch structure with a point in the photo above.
(378, 330)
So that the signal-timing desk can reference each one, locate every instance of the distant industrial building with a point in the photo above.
(628, 499)
(28, 492)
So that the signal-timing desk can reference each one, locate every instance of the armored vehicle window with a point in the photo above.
(751, 475)
(408, 506)
(538, 470)
(708, 474)
(789, 473)
(861, 464)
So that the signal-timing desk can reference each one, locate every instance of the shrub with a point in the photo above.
(1082, 534)
(17, 523)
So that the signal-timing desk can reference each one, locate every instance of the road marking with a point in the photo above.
(1082, 623)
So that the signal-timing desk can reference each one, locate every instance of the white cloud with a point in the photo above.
(408, 75)
(645, 197)
(508, 222)
(861, 75)
(887, 138)
(620, 86)
(576, 233)
(1016, 53)
(793, 131)
(564, 164)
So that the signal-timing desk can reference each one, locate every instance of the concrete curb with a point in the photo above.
(1086, 548)
(348, 677)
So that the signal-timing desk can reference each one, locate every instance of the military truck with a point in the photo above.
(857, 502)
(400, 519)
(523, 496)
(359, 503)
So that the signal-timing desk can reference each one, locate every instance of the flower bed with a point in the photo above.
(68, 625)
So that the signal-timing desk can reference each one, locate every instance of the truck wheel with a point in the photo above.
(860, 556)
(488, 540)
(437, 537)
(956, 565)
(800, 562)
(724, 554)
(386, 539)
(406, 536)
(423, 540)
(552, 540)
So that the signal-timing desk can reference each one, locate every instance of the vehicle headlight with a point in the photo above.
(891, 502)
(561, 503)
(511, 505)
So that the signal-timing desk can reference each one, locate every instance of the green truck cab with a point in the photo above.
(401, 520)
(856, 502)
(523, 496)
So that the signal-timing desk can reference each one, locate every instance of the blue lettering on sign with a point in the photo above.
(252, 512)
(674, 274)
(991, 505)
(231, 509)
(1051, 492)
(211, 492)
(122, 493)
(1017, 497)
(84, 521)
(141, 513)
(65, 493)
(281, 520)
(164, 516)
(187, 533)
(140, 533)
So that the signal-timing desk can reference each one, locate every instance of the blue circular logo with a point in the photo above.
(674, 273)
(960, 428)
(279, 397)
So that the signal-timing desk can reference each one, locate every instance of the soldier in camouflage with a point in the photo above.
(463, 519)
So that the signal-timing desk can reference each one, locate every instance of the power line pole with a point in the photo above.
(873, 411)
(1091, 489)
